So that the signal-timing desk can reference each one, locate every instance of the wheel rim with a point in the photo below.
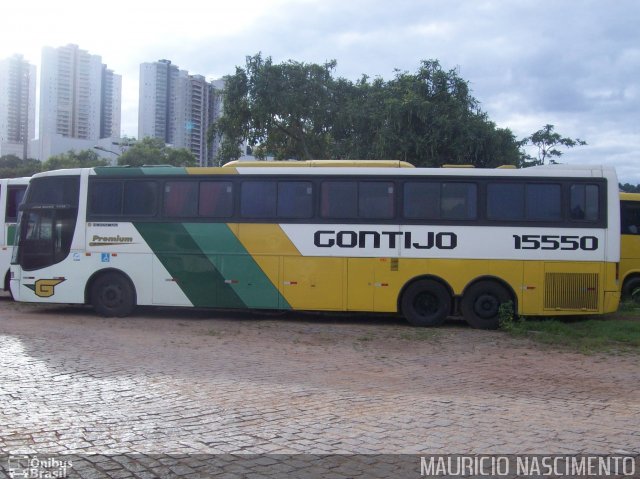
(111, 296)
(426, 304)
(486, 306)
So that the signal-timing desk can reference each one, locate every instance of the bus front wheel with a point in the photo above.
(426, 303)
(481, 302)
(113, 295)
(631, 290)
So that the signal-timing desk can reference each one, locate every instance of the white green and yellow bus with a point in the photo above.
(630, 246)
(381, 237)
(11, 193)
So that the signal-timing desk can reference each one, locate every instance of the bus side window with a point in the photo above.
(459, 201)
(375, 199)
(339, 199)
(258, 199)
(630, 217)
(216, 199)
(295, 199)
(180, 198)
(584, 202)
(105, 198)
(14, 198)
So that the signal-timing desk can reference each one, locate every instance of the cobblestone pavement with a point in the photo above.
(183, 382)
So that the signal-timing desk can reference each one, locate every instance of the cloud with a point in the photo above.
(571, 64)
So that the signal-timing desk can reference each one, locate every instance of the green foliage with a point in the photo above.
(585, 336)
(153, 151)
(297, 110)
(71, 159)
(547, 141)
(506, 316)
(13, 167)
(629, 188)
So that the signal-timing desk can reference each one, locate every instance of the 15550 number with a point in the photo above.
(551, 242)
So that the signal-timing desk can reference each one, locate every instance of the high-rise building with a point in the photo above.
(17, 106)
(176, 107)
(80, 99)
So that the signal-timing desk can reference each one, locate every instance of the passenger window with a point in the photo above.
(544, 202)
(584, 202)
(216, 199)
(140, 198)
(459, 201)
(14, 198)
(505, 201)
(375, 199)
(258, 199)
(630, 217)
(440, 200)
(105, 198)
(295, 199)
(422, 200)
(181, 198)
(339, 199)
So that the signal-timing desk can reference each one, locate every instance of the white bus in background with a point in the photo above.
(11, 194)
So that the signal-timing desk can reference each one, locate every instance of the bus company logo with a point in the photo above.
(98, 240)
(45, 288)
(384, 239)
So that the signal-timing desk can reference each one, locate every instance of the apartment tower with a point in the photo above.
(17, 106)
(176, 107)
(80, 99)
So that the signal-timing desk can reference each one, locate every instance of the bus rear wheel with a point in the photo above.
(631, 290)
(426, 303)
(112, 295)
(481, 302)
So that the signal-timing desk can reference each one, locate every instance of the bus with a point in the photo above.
(427, 243)
(11, 193)
(630, 245)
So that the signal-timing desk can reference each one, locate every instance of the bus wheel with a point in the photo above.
(481, 302)
(113, 295)
(631, 289)
(426, 303)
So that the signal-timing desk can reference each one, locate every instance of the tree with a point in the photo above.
(298, 110)
(279, 109)
(547, 141)
(629, 188)
(12, 166)
(71, 159)
(153, 151)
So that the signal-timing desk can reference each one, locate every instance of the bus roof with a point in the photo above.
(346, 168)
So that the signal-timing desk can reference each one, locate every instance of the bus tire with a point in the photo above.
(481, 302)
(631, 289)
(426, 303)
(112, 295)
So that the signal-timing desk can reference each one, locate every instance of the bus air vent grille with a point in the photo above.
(571, 291)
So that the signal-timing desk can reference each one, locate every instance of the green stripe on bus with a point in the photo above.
(11, 234)
(239, 268)
(195, 274)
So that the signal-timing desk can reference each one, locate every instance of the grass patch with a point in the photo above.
(585, 336)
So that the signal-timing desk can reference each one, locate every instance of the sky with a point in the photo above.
(573, 64)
